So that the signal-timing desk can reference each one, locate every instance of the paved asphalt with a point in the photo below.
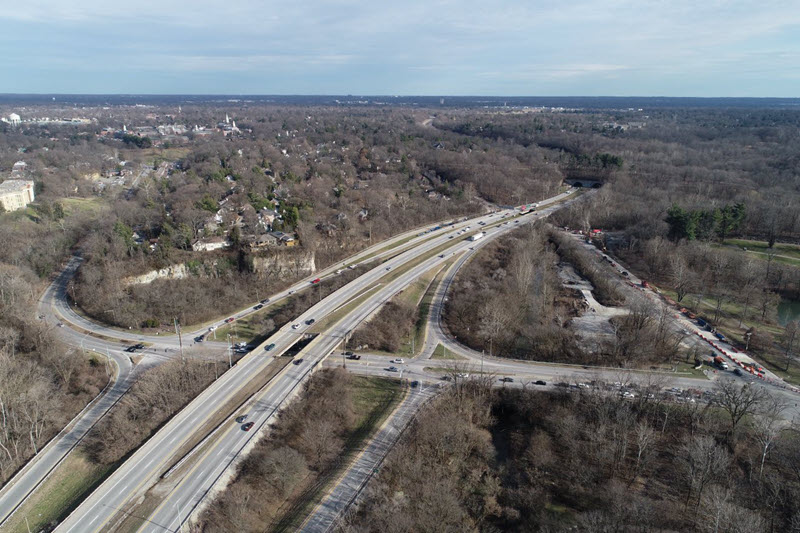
(77, 330)
(348, 487)
(98, 511)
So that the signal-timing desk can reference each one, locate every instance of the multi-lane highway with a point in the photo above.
(100, 510)
(79, 331)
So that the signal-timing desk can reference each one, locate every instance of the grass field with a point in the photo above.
(441, 353)
(784, 253)
(373, 400)
(68, 484)
(89, 205)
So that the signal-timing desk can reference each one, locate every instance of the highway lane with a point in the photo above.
(54, 308)
(55, 304)
(28, 479)
(348, 487)
(190, 493)
(145, 464)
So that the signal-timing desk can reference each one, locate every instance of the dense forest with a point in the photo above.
(484, 459)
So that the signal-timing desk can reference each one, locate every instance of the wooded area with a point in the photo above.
(482, 459)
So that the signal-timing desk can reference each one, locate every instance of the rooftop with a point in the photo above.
(15, 185)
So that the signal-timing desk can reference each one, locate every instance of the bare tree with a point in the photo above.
(736, 400)
(789, 337)
(768, 425)
(645, 435)
(704, 462)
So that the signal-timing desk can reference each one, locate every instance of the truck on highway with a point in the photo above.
(477, 236)
(720, 363)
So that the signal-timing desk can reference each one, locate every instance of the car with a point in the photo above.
(388, 268)
(507, 380)
(310, 321)
(291, 292)
(353, 356)
(269, 347)
(297, 361)
(624, 273)
(450, 237)
(200, 338)
(398, 361)
(349, 353)
(414, 384)
(737, 371)
(41, 317)
(295, 326)
(130, 349)
(138, 346)
(441, 256)
(315, 281)
(212, 328)
(539, 382)
(339, 271)
(248, 426)
(265, 300)
(471, 247)
(393, 369)
(353, 266)
(60, 324)
(229, 320)
(259, 306)
(241, 419)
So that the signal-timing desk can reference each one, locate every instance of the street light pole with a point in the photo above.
(230, 354)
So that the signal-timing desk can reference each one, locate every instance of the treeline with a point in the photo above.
(43, 384)
(156, 396)
(706, 224)
(387, 329)
(515, 460)
(302, 445)
(508, 300)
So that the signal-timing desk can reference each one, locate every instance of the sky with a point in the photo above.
(402, 47)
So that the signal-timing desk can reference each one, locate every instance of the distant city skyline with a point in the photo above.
(612, 47)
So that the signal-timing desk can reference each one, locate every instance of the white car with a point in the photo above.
(398, 361)
(212, 328)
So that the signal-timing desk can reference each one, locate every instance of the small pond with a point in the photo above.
(788, 310)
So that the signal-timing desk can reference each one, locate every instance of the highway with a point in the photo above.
(76, 330)
(350, 484)
(143, 468)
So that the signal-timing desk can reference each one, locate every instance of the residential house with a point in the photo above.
(284, 238)
(262, 241)
(210, 244)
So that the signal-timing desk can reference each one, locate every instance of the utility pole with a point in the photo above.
(344, 345)
(180, 340)
(230, 352)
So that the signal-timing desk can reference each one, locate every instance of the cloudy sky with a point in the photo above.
(405, 47)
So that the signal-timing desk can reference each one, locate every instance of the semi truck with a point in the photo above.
(477, 236)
